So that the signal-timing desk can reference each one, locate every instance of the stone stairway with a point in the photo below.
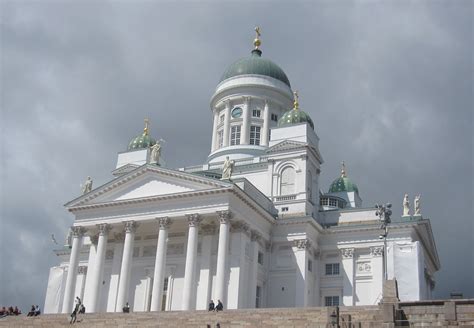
(317, 317)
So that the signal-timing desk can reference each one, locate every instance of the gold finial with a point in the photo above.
(145, 130)
(343, 170)
(257, 41)
(296, 104)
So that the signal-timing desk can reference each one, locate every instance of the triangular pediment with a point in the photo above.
(147, 181)
(127, 168)
(285, 146)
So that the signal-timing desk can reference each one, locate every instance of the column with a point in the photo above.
(227, 123)
(115, 274)
(255, 238)
(125, 270)
(77, 233)
(160, 264)
(98, 267)
(205, 274)
(214, 130)
(237, 285)
(378, 275)
(300, 249)
(266, 124)
(223, 246)
(191, 254)
(245, 132)
(90, 271)
(348, 276)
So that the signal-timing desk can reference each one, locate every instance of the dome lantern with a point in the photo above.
(295, 115)
(142, 141)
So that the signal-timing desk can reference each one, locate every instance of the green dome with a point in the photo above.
(295, 116)
(343, 184)
(141, 141)
(255, 64)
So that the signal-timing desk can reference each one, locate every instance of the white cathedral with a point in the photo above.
(250, 227)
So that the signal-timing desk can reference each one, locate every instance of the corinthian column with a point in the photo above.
(245, 136)
(77, 233)
(191, 254)
(98, 268)
(122, 295)
(160, 264)
(221, 270)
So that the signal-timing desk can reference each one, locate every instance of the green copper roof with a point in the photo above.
(295, 116)
(343, 184)
(255, 64)
(141, 141)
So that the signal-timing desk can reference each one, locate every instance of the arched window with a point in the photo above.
(287, 182)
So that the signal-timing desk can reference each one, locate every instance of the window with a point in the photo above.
(260, 258)
(258, 295)
(331, 301)
(285, 209)
(255, 135)
(220, 139)
(274, 117)
(333, 202)
(332, 269)
(324, 201)
(221, 119)
(235, 135)
(310, 186)
(310, 266)
(256, 113)
(287, 186)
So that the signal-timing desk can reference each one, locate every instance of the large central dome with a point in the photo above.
(255, 64)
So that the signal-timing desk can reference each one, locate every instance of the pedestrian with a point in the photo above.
(76, 310)
(219, 306)
(212, 306)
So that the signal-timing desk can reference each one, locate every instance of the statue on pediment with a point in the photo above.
(87, 187)
(227, 169)
(155, 153)
(417, 205)
(406, 206)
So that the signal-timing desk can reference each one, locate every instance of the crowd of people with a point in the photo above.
(4, 311)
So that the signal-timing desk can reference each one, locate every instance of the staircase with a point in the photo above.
(317, 317)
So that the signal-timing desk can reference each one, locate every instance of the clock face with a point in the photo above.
(237, 112)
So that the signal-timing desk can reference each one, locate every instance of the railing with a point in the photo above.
(284, 198)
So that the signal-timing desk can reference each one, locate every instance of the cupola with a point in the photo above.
(295, 115)
(143, 140)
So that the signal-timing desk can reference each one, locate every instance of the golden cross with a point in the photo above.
(145, 130)
(343, 169)
(257, 30)
(295, 101)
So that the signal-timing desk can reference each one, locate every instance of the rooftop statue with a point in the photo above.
(417, 205)
(87, 187)
(406, 206)
(227, 168)
(155, 153)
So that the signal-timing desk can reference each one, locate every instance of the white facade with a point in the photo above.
(165, 239)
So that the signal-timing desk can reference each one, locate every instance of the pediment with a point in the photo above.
(285, 146)
(127, 168)
(147, 181)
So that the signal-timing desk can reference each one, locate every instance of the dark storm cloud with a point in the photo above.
(388, 84)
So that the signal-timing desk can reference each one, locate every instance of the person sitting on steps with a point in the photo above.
(212, 306)
(219, 306)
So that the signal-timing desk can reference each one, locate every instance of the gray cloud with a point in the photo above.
(388, 84)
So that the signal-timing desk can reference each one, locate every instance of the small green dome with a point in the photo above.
(142, 141)
(255, 64)
(295, 116)
(343, 184)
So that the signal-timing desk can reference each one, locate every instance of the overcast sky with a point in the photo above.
(389, 86)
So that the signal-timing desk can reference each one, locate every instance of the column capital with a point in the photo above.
(302, 243)
(78, 231)
(227, 103)
(376, 251)
(347, 253)
(104, 229)
(193, 219)
(208, 229)
(131, 226)
(224, 216)
(164, 222)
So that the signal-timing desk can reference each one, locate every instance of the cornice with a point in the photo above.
(141, 170)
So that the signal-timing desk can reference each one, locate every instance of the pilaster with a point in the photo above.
(348, 290)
